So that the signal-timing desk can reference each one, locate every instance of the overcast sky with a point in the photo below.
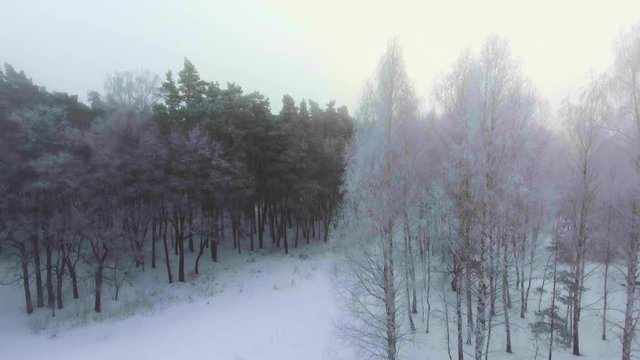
(321, 50)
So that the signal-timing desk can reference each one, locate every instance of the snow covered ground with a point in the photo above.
(251, 306)
(261, 307)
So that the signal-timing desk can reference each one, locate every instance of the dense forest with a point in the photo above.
(480, 207)
(151, 170)
(475, 218)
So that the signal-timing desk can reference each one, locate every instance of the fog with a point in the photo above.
(287, 180)
(322, 50)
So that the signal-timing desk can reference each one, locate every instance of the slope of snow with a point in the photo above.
(276, 307)
(256, 306)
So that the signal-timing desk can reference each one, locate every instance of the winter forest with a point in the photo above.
(167, 215)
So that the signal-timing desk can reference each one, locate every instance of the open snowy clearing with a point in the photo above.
(276, 307)
(251, 306)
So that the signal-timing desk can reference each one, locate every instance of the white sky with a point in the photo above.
(321, 50)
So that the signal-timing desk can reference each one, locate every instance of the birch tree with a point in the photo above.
(626, 91)
(374, 196)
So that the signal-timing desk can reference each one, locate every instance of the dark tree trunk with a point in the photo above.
(327, 222)
(455, 275)
(271, 225)
(59, 279)
(253, 226)
(98, 291)
(576, 315)
(234, 234)
(166, 251)
(222, 225)
(154, 236)
(24, 260)
(74, 278)
(313, 227)
(284, 230)
(239, 231)
(191, 245)
(200, 252)
(98, 280)
(49, 272)
(174, 239)
(38, 270)
(180, 242)
(260, 227)
(60, 276)
(214, 251)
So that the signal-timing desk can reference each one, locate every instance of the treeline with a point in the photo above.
(151, 170)
(482, 204)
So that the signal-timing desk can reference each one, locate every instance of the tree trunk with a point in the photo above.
(166, 251)
(628, 330)
(252, 223)
(174, 239)
(407, 278)
(523, 301)
(458, 286)
(214, 251)
(154, 236)
(272, 231)
(605, 295)
(98, 291)
(553, 300)
(24, 260)
(191, 245)
(238, 226)
(200, 252)
(327, 222)
(74, 278)
(576, 313)
(98, 282)
(261, 221)
(221, 225)
(412, 273)
(38, 271)
(234, 232)
(59, 277)
(284, 230)
(530, 277)
(481, 302)
(213, 248)
(180, 241)
(505, 296)
(389, 290)
(428, 253)
(469, 303)
(49, 272)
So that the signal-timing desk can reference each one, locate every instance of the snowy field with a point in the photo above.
(257, 307)
(247, 307)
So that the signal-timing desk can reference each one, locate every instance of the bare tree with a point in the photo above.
(375, 183)
(626, 90)
(135, 91)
